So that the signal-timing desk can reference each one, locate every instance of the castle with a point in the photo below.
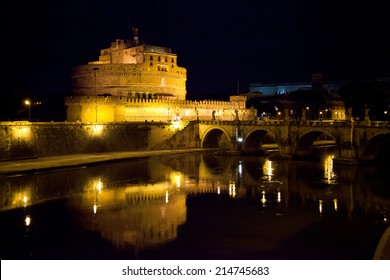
(133, 81)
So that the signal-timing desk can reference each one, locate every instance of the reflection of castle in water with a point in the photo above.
(147, 210)
(133, 215)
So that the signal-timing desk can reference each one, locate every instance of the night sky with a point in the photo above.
(219, 42)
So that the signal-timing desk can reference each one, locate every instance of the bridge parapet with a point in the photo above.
(372, 124)
(357, 141)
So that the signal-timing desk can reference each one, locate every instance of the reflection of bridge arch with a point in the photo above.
(306, 141)
(216, 137)
(377, 148)
(256, 138)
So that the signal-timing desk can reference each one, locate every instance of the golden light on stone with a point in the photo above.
(25, 199)
(22, 132)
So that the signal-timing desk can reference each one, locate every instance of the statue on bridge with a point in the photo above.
(348, 114)
(236, 118)
(286, 115)
(366, 115)
(303, 115)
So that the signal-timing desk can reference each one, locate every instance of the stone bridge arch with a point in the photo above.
(307, 140)
(377, 149)
(256, 140)
(216, 137)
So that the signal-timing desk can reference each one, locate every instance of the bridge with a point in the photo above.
(355, 141)
(352, 142)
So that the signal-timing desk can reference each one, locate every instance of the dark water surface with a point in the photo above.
(197, 207)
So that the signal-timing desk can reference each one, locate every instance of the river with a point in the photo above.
(200, 206)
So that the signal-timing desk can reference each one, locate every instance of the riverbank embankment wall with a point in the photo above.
(20, 140)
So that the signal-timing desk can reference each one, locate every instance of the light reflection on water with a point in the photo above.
(182, 207)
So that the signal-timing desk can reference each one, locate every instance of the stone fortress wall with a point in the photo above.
(21, 140)
(119, 109)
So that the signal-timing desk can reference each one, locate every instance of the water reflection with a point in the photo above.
(144, 203)
(329, 175)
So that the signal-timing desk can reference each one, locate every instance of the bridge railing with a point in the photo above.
(301, 123)
(372, 123)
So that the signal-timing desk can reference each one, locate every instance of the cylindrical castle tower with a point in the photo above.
(132, 69)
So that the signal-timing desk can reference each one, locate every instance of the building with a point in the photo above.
(315, 100)
(133, 81)
(132, 69)
(285, 88)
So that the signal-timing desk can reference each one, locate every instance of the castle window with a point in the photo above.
(159, 58)
(173, 60)
(151, 63)
(151, 58)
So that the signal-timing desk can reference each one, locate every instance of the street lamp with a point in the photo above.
(28, 103)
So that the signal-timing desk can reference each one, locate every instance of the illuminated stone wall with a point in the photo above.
(135, 82)
(119, 109)
(25, 140)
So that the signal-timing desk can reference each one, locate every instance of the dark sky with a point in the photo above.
(219, 42)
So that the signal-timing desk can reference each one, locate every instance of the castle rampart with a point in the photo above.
(119, 109)
(20, 140)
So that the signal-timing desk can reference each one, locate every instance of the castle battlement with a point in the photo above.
(119, 108)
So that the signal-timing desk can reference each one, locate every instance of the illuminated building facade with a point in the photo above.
(135, 82)
(132, 69)
(298, 101)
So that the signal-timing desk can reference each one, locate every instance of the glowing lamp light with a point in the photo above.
(240, 169)
(279, 199)
(22, 132)
(27, 220)
(320, 206)
(99, 186)
(263, 199)
(232, 189)
(97, 129)
(176, 124)
(178, 183)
